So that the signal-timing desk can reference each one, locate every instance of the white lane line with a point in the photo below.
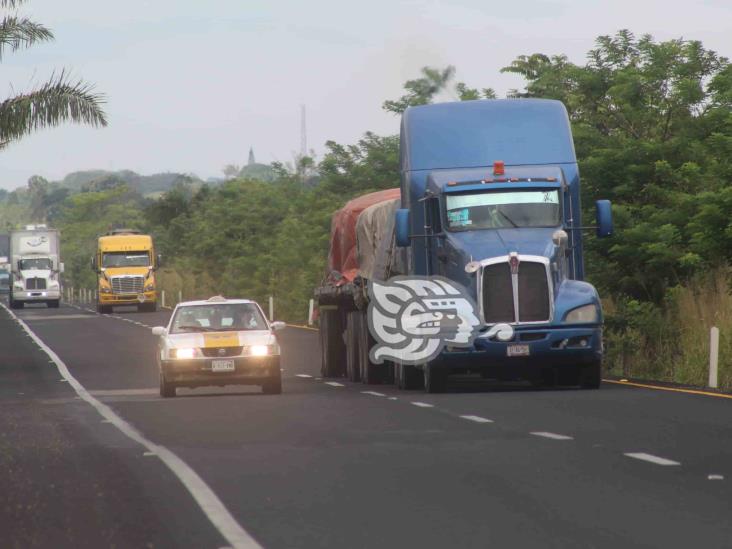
(373, 393)
(207, 500)
(651, 458)
(334, 384)
(553, 436)
(303, 375)
(715, 477)
(393, 398)
(477, 419)
(422, 405)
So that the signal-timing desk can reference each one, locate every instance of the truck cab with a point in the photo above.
(36, 266)
(491, 199)
(125, 263)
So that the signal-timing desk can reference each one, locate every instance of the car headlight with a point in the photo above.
(582, 315)
(183, 353)
(260, 350)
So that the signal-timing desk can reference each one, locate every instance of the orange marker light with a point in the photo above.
(498, 168)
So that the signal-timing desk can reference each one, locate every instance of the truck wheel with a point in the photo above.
(370, 373)
(15, 304)
(103, 309)
(53, 304)
(167, 389)
(435, 378)
(591, 376)
(407, 377)
(149, 307)
(353, 368)
(333, 351)
(273, 386)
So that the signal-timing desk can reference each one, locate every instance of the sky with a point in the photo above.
(190, 86)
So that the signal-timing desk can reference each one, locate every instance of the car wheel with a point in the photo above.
(167, 389)
(273, 386)
(407, 377)
(435, 378)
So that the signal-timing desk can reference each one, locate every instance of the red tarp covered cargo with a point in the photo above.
(342, 256)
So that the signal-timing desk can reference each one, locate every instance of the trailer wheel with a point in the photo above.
(370, 372)
(407, 377)
(353, 368)
(435, 378)
(333, 351)
(591, 375)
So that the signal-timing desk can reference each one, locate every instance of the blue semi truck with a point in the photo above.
(490, 199)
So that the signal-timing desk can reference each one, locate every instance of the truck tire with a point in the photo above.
(435, 378)
(149, 307)
(353, 365)
(591, 376)
(104, 309)
(332, 348)
(14, 304)
(53, 304)
(167, 389)
(371, 373)
(407, 377)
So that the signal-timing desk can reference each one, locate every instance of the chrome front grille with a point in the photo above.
(35, 283)
(127, 284)
(521, 294)
(221, 352)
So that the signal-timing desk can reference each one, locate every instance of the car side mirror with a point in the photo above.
(158, 330)
(604, 218)
(278, 325)
(402, 228)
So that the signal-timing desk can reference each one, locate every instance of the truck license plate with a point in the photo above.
(222, 365)
(517, 350)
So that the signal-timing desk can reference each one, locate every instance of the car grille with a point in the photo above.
(35, 283)
(127, 284)
(221, 352)
(532, 290)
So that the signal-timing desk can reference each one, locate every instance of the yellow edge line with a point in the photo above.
(303, 327)
(672, 389)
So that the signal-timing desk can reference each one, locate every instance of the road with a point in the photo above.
(335, 464)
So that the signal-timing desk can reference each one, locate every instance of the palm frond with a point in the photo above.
(10, 3)
(16, 33)
(58, 100)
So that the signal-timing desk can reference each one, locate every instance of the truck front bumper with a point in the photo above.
(530, 349)
(36, 295)
(127, 299)
(198, 371)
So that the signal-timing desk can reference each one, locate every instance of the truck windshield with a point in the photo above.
(503, 210)
(125, 259)
(40, 263)
(217, 318)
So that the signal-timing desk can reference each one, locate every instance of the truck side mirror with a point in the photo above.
(402, 228)
(94, 263)
(60, 267)
(159, 260)
(604, 218)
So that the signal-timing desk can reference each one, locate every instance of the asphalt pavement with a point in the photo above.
(335, 464)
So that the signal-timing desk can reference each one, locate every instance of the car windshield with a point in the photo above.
(218, 317)
(126, 259)
(41, 263)
(503, 209)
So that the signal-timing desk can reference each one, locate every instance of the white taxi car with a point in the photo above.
(221, 342)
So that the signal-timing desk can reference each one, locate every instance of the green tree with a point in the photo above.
(60, 99)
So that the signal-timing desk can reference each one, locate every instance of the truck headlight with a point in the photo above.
(105, 290)
(582, 315)
(183, 353)
(150, 287)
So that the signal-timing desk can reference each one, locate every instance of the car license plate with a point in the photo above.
(222, 365)
(517, 350)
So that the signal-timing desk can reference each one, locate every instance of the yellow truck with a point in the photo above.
(125, 263)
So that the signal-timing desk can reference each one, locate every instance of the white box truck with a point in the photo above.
(35, 260)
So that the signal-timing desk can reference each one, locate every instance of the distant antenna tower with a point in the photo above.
(303, 132)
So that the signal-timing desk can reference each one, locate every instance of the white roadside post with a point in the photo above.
(180, 296)
(162, 298)
(310, 312)
(271, 308)
(713, 357)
